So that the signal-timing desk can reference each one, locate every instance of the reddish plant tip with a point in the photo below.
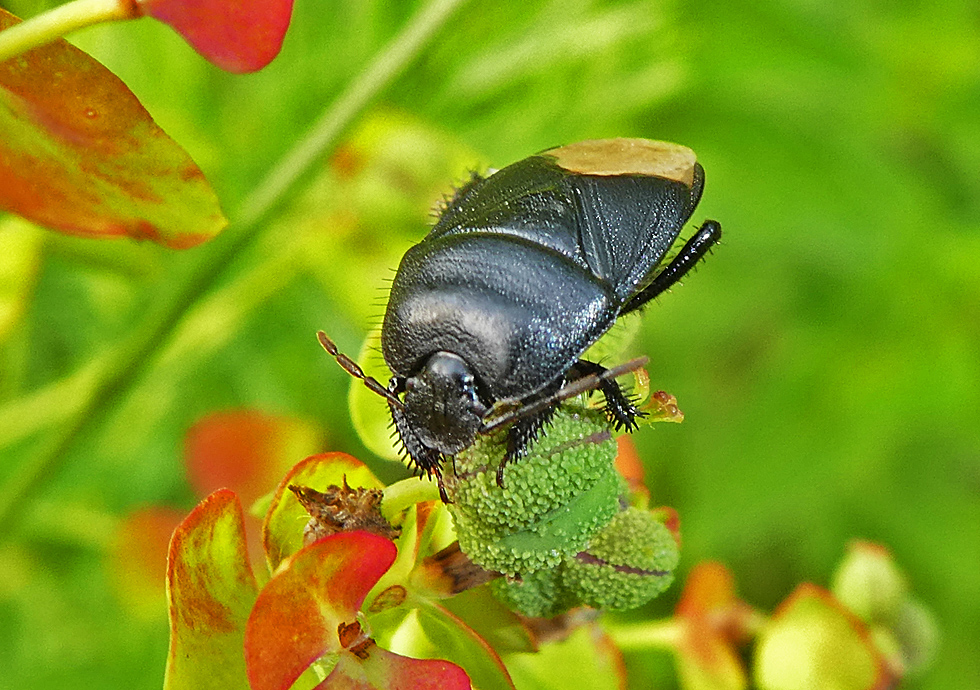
(238, 36)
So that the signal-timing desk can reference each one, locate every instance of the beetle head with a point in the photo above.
(441, 404)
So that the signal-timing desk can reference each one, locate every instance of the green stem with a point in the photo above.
(52, 25)
(124, 365)
(661, 634)
(406, 493)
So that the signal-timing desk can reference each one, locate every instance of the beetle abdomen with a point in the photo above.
(517, 312)
(613, 206)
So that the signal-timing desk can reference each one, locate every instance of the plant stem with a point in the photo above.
(324, 133)
(125, 364)
(661, 634)
(52, 25)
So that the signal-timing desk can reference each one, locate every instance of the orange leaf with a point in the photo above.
(139, 555)
(245, 450)
(211, 590)
(80, 154)
(714, 621)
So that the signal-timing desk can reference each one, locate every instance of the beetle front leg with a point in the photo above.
(522, 433)
(618, 407)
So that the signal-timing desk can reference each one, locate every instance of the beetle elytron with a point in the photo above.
(490, 313)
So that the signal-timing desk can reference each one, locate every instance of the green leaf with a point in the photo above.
(585, 656)
(296, 617)
(452, 639)
(491, 620)
(211, 589)
(282, 531)
(80, 154)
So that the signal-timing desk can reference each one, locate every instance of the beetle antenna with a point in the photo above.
(570, 390)
(352, 368)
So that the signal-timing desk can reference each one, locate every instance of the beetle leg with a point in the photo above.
(692, 252)
(581, 385)
(619, 408)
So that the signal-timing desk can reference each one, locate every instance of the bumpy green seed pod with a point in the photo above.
(560, 530)
(555, 499)
(628, 563)
(539, 594)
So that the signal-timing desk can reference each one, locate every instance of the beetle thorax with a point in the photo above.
(441, 403)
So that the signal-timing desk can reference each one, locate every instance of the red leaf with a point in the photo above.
(384, 670)
(295, 620)
(211, 590)
(236, 35)
(79, 153)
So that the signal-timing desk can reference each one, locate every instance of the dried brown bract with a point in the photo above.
(342, 509)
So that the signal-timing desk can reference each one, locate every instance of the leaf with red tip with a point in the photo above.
(80, 154)
(713, 621)
(812, 641)
(211, 590)
(384, 670)
(282, 531)
(236, 35)
(295, 620)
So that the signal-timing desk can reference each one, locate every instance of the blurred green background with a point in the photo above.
(827, 355)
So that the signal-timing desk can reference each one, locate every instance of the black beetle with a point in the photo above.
(525, 269)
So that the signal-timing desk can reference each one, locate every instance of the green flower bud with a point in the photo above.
(869, 583)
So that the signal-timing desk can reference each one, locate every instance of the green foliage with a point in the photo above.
(826, 356)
